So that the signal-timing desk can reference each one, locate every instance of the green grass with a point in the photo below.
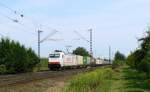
(130, 80)
(43, 65)
(136, 81)
(95, 81)
(123, 79)
(117, 81)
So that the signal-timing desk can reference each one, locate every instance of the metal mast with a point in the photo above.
(109, 54)
(44, 39)
(39, 32)
(91, 43)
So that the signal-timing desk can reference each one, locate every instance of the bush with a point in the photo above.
(144, 65)
(131, 61)
(117, 64)
(119, 56)
(16, 57)
(119, 59)
(2, 69)
(140, 59)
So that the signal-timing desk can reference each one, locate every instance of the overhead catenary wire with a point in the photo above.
(17, 21)
(17, 13)
(51, 39)
(82, 37)
(22, 16)
(35, 22)
(89, 41)
(12, 10)
(12, 19)
(49, 35)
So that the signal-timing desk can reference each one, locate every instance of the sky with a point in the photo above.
(115, 23)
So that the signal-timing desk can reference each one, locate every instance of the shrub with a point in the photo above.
(117, 63)
(131, 61)
(119, 59)
(144, 65)
(140, 59)
(119, 56)
(2, 69)
(16, 57)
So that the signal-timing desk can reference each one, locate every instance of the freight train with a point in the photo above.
(60, 60)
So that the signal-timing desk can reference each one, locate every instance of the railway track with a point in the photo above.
(14, 79)
(6, 80)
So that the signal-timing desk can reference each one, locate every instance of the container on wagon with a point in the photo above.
(79, 60)
(86, 60)
(69, 60)
(99, 61)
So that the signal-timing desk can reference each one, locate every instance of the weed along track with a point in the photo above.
(8, 80)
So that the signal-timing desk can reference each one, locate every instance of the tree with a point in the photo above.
(81, 51)
(118, 59)
(131, 60)
(119, 56)
(15, 58)
(144, 65)
(140, 59)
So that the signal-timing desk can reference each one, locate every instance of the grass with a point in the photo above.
(130, 80)
(123, 79)
(43, 65)
(136, 81)
(117, 81)
(105, 79)
(91, 82)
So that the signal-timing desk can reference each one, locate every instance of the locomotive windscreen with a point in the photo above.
(54, 55)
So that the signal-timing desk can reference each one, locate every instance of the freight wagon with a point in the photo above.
(59, 60)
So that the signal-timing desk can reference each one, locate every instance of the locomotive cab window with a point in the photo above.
(54, 55)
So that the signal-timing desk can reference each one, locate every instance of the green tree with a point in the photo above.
(119, 56)
(118, 59)
(140, 59)
(15, 58)
(144, 65)
(131, 60)
(81, 51)
(144, 62)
